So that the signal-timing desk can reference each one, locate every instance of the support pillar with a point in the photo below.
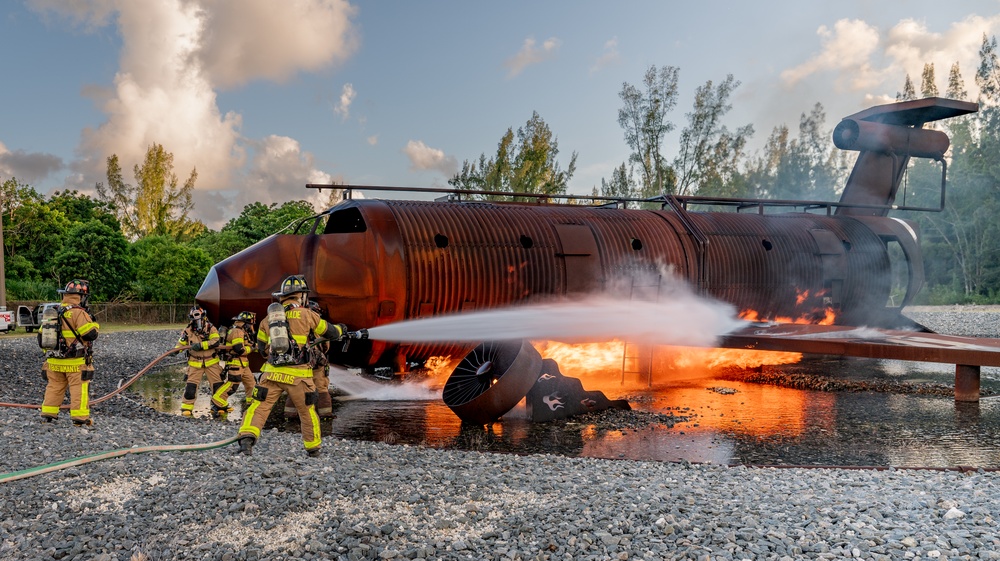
(966, 382)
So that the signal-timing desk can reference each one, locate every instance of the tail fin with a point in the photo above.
(887, 137)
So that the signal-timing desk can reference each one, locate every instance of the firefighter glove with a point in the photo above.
(237, 349)
(342, 330)
(45, 376)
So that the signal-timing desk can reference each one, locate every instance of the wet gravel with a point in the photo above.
(371, 500)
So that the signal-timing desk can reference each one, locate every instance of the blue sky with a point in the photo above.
(264, 96)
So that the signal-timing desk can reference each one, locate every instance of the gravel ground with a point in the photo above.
(364, 500)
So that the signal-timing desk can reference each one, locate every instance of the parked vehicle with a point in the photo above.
(31, 318)
(7, 323)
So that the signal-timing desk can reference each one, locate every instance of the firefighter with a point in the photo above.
(321, 365)
(67, 336)
(241, 340)
(284, 337)
(202, 360)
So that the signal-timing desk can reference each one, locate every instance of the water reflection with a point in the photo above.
(726, 422)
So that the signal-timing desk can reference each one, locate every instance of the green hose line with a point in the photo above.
(39, 470)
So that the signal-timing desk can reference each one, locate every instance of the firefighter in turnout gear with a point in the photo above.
(320, 363)
(241, 340)
(321, 376)
(67, 336)
(202, 359)
(284, 338)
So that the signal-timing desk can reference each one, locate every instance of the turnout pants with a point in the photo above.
(324, 405)
(302, 394)
(246, 378)
(194, 378)
(59, 378)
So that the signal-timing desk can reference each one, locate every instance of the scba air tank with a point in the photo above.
(277, 328)
(48, 333)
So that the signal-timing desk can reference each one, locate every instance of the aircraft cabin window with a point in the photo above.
(345, 221)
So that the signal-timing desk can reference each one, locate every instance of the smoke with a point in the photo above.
(176, 55)
(678, 317)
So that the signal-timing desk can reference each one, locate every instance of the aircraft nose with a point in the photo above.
(209, 295)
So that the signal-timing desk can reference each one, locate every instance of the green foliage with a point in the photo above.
(31, 290)
(168, 271)
(155, 205)
(98, 253)
(525, 165)
(643, 118)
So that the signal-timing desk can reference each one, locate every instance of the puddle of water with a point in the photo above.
(728, 422)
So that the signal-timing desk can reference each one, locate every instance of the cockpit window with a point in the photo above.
(345, 221)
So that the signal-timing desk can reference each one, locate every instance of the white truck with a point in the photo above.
(7, 320)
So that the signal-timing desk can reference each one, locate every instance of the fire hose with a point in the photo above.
(121, 387)
(72, 462)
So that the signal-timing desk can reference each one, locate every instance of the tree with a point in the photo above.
(909, 93)
(928, 87)
(524, 164)
(643, 117)
(709, 153)
(155, 205)
(621, 184)
(80, 208)
(168, 271)
(99, 253)
(256, 222)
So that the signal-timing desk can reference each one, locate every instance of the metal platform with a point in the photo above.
(968, 354)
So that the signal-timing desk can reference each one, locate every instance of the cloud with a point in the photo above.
(531, 54)
(346, 97)
(847, 50)
(175, 55)
(423, 157)
(244, 40)
(608, 58)
(865, 59)
(279, 171)
(372, 140)
(28, 167)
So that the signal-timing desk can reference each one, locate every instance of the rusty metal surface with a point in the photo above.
(867, 342)
(371, 262)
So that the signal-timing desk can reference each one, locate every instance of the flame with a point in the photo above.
(610, 358)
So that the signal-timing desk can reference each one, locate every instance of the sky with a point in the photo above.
(264, 96)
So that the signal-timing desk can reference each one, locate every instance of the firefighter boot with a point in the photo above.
(313, 453)
(246, 446)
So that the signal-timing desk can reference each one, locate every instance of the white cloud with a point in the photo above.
(346, 97)
(609, 57)
(175, 55)
(530, 54)
(863, 59)
(847, 50)
(27, 167)
(279, 171)
(423, 157)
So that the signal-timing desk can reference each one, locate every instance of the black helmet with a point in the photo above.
(247, 317)
(76, 286)
(294, 284)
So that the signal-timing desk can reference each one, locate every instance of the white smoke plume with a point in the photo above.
(176, 54)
